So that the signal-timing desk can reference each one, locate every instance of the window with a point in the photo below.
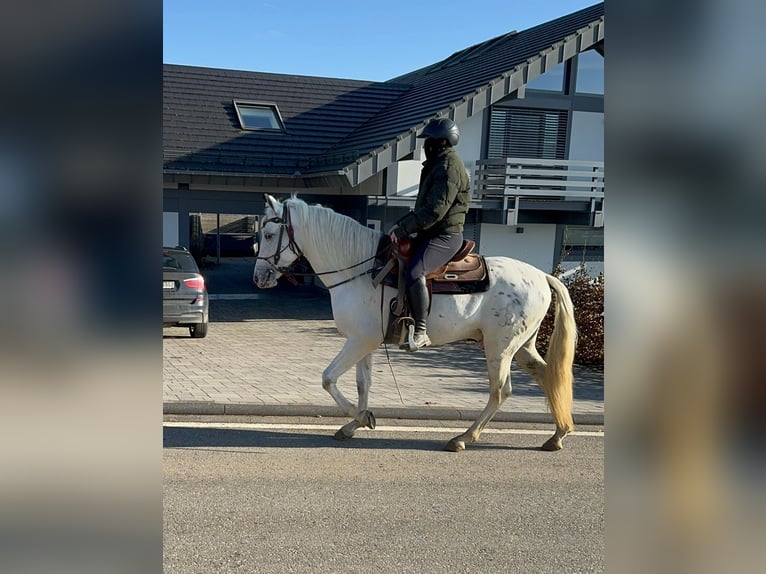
(583, 243)
(258, 116)
(538, 134)
(590, 73)
(552, 80)
(178, 261)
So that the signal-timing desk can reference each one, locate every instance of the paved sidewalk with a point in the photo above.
(266, 349)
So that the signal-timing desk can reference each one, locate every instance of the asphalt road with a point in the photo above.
(288, 498)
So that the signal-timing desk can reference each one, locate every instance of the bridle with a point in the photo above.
(285, 225)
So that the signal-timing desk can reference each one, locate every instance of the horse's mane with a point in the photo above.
(342, 238)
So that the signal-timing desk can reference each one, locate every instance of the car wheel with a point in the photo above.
(198, 330)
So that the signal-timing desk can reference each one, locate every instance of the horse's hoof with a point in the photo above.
(455, 445)
(340, 435)
(368, 419)
(552, 444)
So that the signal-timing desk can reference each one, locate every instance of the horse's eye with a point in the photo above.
(268, 236)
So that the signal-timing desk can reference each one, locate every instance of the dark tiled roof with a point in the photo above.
(437, 86)
(335, 124)
(201, 131)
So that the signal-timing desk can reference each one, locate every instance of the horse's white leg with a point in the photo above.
(499, 369)
(353, 352)
(531, 361)
(364, 417)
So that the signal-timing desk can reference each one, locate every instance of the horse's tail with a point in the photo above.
(557, 380)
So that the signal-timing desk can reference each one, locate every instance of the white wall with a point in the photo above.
(536, 245)
(587, 141)
(169, 228)
(403, 178)
(469, 144)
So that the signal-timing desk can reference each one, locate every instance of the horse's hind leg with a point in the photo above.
(499, 369)
(531, 361)
(352, 353)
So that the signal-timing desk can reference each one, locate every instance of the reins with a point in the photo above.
(385, 345)
(285, 223)
(365, 272)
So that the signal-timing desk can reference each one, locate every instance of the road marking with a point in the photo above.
(317, 427)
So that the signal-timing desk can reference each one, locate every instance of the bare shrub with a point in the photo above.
(588, 299)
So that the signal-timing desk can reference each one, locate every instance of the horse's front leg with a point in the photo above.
(364, 417)
(353, 352)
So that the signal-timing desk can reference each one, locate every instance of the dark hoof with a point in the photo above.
(455, 446)
(552, 444)
(340, 435)
(369, 419)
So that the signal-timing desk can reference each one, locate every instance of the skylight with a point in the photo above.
(258, 116)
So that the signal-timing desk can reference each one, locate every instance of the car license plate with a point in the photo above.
(168, 285)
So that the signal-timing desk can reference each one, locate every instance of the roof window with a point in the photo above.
(258, 116)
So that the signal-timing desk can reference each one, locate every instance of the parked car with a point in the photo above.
(184, 294)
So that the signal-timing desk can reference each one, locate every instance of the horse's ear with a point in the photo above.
(271, 202)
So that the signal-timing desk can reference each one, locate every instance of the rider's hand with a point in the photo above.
(392, 234)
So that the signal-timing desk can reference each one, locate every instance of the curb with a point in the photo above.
(198, 408)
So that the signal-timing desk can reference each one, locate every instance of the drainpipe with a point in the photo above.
(218, 238)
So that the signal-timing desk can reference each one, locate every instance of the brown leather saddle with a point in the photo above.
(466, 272)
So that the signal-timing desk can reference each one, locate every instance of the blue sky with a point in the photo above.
(353, 39)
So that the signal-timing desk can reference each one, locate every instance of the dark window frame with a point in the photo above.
(511, 128)
(270, 106)
(562, 90)
(576, 247)
(576, 74)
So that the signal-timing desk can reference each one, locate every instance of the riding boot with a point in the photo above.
(418, 298)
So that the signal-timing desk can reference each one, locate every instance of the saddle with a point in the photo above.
(466, 272)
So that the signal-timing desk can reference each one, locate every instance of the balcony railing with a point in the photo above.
(521, 182)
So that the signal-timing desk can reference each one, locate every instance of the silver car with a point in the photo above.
(184, 294)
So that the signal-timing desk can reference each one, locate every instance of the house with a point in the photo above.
(529, 105)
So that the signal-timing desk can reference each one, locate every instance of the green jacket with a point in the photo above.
(443, 198)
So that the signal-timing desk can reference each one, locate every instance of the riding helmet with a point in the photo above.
(442, 128)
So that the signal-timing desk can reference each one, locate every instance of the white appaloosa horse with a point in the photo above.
(505, 318)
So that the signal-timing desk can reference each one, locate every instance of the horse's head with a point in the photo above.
(276, 250)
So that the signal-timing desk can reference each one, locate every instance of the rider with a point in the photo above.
(437, 220)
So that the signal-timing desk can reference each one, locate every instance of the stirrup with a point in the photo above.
(415, 342)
